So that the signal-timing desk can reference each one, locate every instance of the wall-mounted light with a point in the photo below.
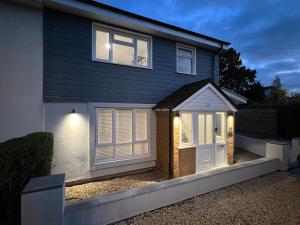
(73, 110)
(176, 114)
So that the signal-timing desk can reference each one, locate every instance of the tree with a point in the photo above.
(255, 92)
(233, 74)
(279, 95)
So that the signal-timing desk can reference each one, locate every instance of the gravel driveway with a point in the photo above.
(269, 200)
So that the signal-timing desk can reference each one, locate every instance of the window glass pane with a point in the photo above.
(184, 65)
(123, 126)
(104, 152)
(123, 54)
(142, 52)
(141, 125)
(185, 52)
(105, 126)
(123, 38)
(141, 148)
(102, 45)
(186, 128)
(209, 129)
(220, 127)
(201, 129)
(123, 150)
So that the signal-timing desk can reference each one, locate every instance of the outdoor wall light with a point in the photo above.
(230, 113)
(177, 114)
(73, 110)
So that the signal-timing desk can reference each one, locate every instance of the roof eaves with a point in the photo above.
(120, 11)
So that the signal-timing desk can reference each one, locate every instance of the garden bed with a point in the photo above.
(94, 189)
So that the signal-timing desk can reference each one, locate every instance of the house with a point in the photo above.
(120, 92)
(268, 91)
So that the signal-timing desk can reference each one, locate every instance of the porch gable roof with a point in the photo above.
(178, 97)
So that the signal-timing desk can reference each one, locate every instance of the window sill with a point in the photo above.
(121, 162)
(189, 74)
(181, 147)
(119, 64)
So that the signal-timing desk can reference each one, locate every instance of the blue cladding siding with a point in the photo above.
(70, 75)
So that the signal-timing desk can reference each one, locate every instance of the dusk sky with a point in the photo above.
(266, 32)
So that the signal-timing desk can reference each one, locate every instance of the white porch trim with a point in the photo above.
(198, 93)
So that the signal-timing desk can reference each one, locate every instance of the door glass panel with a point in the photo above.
(201, 129)
(209, 129)
(220, 127)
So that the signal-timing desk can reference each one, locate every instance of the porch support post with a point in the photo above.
(230, 137)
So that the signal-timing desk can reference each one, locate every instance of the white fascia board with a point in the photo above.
(107, 16)
(234, 95)
(230, 106)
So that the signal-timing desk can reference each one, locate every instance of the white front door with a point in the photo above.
(205, 146)
(220, 138)
(211, 140)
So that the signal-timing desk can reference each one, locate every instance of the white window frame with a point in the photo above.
(194, 60)
(192, 143)
(114, 144)
(135, 36)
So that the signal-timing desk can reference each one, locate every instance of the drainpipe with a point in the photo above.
(170, 142)
(213, 63)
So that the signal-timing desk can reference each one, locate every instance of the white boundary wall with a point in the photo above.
(257, 146)
(117, 206)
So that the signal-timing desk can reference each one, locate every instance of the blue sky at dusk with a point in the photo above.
(266, 32)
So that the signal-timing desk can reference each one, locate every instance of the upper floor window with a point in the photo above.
(186, 59)
(121, 47)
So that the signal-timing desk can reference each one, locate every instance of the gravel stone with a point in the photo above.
(241, 155)
(272, 199)
(93, 189)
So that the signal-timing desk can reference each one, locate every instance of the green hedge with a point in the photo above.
(20, 160)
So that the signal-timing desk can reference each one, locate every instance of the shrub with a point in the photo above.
(20, 160)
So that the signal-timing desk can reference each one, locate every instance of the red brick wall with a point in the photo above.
(162, 141)
(183, 161)
(187, 161)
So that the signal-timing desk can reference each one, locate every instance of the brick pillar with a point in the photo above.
(176, 140)
(162, 141)
(230, 138)
(184, 159)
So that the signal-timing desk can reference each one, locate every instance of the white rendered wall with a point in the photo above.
(21, 70)
(255, 145)
(72, 143)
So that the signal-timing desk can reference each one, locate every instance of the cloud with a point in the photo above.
(265, 32)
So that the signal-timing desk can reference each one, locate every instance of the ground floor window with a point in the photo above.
(121, 133)
(186, 129)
